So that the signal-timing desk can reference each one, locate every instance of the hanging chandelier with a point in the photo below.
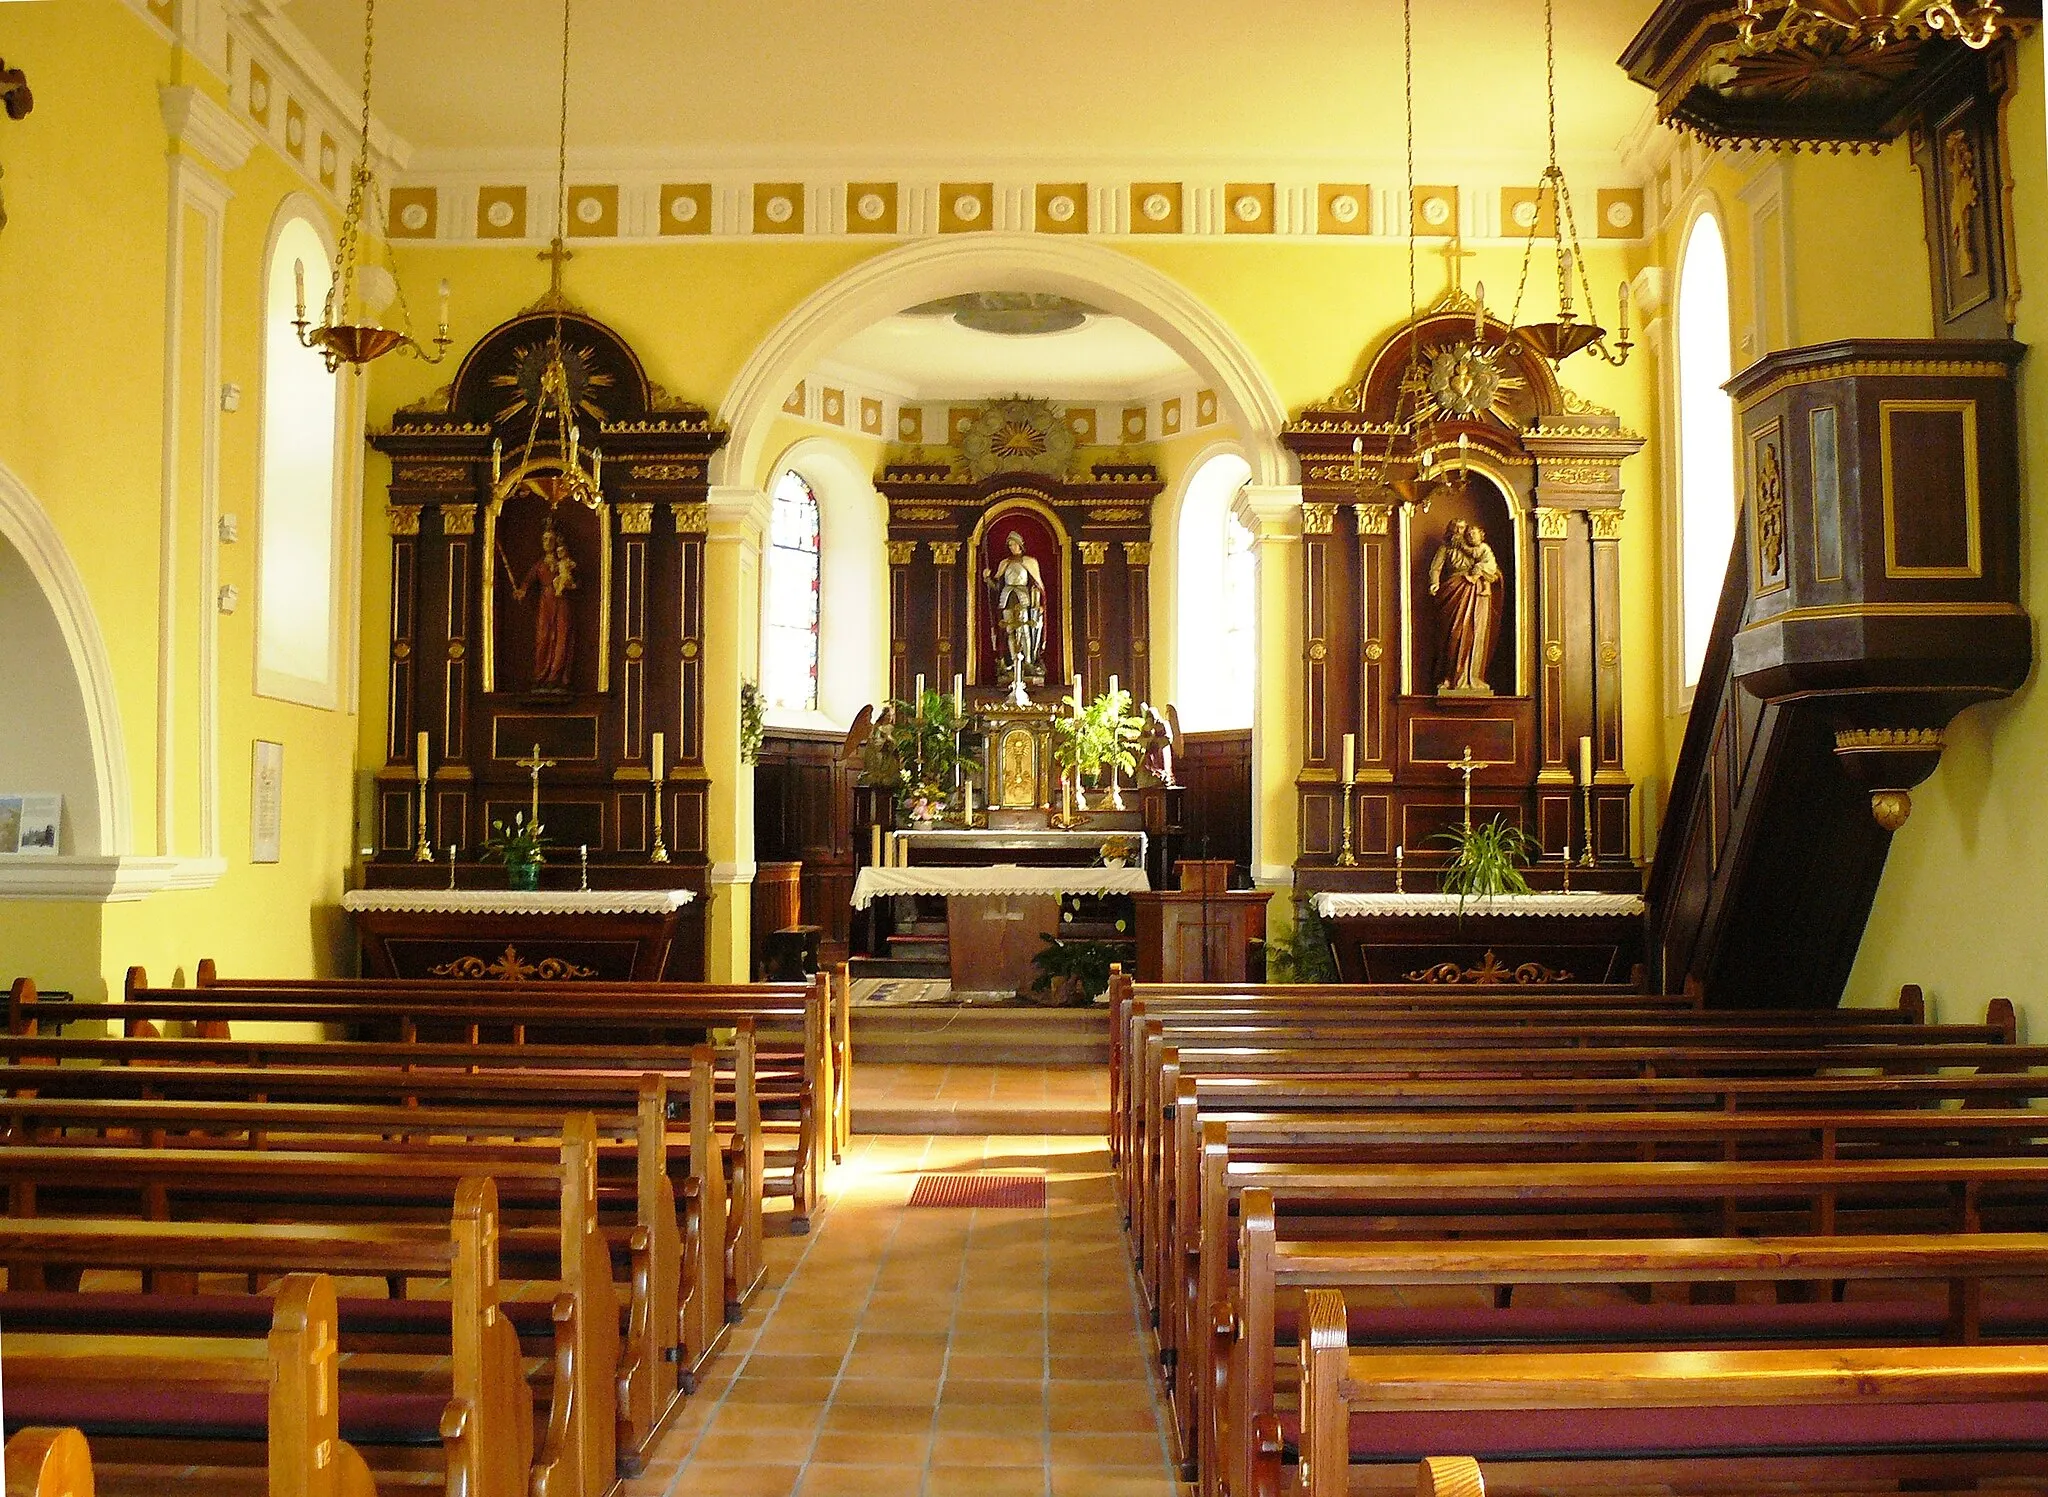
(349, 332)
(551, 464)
(1569, 333)
(1875, 23)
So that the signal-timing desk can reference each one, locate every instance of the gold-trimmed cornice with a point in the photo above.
(1865, 368)
(1961, 610)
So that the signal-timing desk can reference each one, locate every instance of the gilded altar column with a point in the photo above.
(1611, 815)
(900, 556)
(1138, 588)
(1273, 514)
(1094, 618)
(732, 647)
(1556, 748)
(945, 612)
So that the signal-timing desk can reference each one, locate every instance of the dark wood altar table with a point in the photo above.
(516, 935)
(1520, 939)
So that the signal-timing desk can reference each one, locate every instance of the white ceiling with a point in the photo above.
(891, 83)
(935, 358)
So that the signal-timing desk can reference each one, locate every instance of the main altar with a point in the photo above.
(548, 521)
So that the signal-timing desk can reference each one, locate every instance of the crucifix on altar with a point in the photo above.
(1468, 766)
(536, 764)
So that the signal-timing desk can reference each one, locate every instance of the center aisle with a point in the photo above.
(944, 1351)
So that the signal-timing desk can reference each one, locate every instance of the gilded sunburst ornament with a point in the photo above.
(525, 383)
(1018, 435)
(1463, 382)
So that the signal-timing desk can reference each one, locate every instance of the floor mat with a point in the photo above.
(1009, 1192)
(898, 992)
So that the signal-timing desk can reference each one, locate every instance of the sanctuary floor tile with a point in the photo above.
(937, 1352)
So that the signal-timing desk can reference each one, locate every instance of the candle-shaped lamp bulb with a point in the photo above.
(1624, 309)
(299, 280)
(444, 306)
(1478, 311)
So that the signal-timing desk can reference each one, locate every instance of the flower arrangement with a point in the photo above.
(926, 742)
(753, 721)
(521, 847)
(1117, 851)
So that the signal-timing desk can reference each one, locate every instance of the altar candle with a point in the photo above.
(918, 700)
(1112, 688)
(1077, 696)
(1585, 761)
(969, 788)
(655, 750)
(959, 695)
(875, 845)
(1350, 757)
(419, 755)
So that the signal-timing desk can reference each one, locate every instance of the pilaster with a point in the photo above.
(738, 523)
(1273, 514)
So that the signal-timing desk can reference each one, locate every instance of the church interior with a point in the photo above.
(1022, 768)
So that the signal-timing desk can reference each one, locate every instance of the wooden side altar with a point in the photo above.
(1524, 940)
(517, 935)
(546, 639)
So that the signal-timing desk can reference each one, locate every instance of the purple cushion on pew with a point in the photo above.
(112, 1410)
(1856, 1320)
(1637, 1433)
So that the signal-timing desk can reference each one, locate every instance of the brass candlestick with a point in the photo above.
(657, 766)
(659, 854)
(1346, 858)
(1586, 817)
(423, 850)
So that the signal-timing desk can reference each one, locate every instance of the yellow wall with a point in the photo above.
(83, 278)
(1963, 909)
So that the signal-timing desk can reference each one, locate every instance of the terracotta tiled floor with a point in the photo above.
(937, 1352)
(912, 1091)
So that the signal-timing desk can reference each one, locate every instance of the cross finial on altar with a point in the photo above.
(1455, 254)
(557, 254)
(536, 763)
(1468, 766)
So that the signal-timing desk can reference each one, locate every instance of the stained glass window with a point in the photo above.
(789, 665)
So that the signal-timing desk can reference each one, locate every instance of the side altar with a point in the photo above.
(549, 519)
(517, 935)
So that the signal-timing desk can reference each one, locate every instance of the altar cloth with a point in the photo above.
(517, 901)
(999, 880)
(1333, 906)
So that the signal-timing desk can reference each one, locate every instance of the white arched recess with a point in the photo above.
(853, 582)
(1170, 537)
(61, 699)
(1091, 273)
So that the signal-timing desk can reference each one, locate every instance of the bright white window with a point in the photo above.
(1217, 590)
(1708, 497)
(789, 665)
(295, 631)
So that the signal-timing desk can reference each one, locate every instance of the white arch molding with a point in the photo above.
(100, 866)
(933, 268)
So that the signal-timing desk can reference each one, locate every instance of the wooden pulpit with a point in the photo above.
(1202, 931)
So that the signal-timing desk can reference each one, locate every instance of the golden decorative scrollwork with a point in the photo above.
(1912, 739)
(666, 472)
(636, 518)
(1374, 650)
(1121, 515)
(1606, 524)
(1583, 475)
(405, 519)
(1491, 970)
(511, 967)
(1770, 512)
(921, 512)
(431, 473)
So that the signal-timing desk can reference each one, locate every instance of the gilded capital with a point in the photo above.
(404, 518)
(900, 553)
(1138, 553)
(1094, 553)
(691, 519)
(458, 519)
(1552, 524)
(1375, 519)
(1606, 524)
(636, 518)
(946, 553)
(1318, 519)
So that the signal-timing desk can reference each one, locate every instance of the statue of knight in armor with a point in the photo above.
(1019, 613)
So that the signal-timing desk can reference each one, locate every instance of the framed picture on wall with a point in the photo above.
(30, 824)
(266, 802)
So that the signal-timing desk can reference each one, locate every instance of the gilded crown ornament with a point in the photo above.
(349, 332)
(1875, 23)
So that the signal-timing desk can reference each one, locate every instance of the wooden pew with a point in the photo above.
(676, 1265)
(552, 1079)
(341, 1187)
(1422, 1202)
(800, 1094)
(833, 989)
(293, 1369)
(1881, 1414)
(45, 1462)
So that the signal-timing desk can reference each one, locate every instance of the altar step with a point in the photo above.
(945, 1034)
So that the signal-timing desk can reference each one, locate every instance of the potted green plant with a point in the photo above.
(521, 847)
(1487, 860)
(1071, 973)
(1305, 953)
(926, 741)
(1102, 736)
(753, 722)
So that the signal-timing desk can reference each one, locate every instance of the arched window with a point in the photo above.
(1707, 499)
(1217, 589)
(296, 599)
(789, 664)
